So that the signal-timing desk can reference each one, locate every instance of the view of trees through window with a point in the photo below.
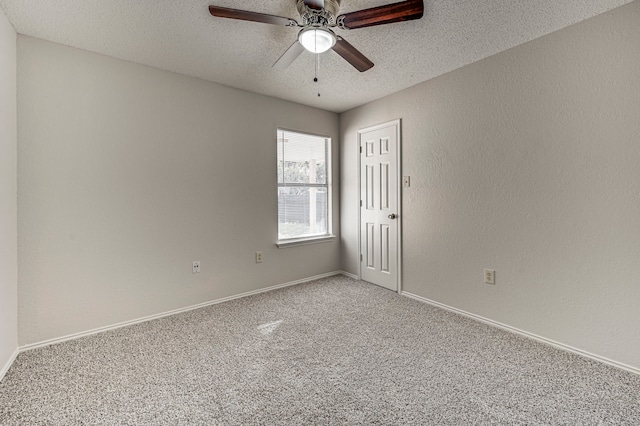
(303, 187)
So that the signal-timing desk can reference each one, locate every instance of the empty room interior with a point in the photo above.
(436, 220)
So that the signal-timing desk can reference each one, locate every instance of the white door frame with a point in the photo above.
(397, 123)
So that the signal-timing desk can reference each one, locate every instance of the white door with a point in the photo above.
(379, 204)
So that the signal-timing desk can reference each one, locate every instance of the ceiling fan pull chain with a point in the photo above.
(317, 69)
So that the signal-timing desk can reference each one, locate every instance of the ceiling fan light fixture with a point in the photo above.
(317, 40)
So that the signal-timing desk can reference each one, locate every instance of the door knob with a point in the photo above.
(392, 216)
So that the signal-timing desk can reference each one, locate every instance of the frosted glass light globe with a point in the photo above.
(317, 40)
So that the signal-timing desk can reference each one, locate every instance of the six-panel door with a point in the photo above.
(379, 199)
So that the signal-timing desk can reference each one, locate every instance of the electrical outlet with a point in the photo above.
(489, 276)
(195, 267)
(258, 257)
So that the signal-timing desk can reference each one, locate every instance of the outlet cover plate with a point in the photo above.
(489, 276)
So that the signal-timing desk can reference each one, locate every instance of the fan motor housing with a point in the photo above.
(325, 16)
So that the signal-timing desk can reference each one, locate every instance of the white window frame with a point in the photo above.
(328, 236)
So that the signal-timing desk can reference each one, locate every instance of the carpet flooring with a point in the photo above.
(331, 352)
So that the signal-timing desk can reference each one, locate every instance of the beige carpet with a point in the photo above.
(331, 352)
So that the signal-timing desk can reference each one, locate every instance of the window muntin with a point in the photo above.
(303, 185)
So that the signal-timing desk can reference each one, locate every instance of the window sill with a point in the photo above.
(304, 241)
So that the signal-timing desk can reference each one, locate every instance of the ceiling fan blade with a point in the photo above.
(289, 56)
(387, 14)
(315, 4)
(245, 15)
(352, 55)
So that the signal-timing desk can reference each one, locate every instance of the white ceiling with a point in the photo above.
(182, 36)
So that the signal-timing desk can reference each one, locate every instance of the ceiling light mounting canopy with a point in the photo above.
(328, 10)
(317, 39)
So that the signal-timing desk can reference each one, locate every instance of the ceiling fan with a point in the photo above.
(319, 17)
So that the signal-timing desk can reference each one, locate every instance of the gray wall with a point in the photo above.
(8, 189)
(528, 163)
(128, 174)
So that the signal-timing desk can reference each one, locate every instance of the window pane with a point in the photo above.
(301, 158)
(302, 212)
(280, 157)
(302, 185)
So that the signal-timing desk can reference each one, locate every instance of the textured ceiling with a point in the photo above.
(182, 36)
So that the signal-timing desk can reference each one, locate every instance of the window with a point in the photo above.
(304, 187)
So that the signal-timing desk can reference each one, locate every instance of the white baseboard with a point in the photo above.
(350, 275)
(8, 364)
(168, 313)
(525, 334)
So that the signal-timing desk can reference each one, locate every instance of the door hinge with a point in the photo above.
(360, 203)
(360, 150)
(360, 257)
